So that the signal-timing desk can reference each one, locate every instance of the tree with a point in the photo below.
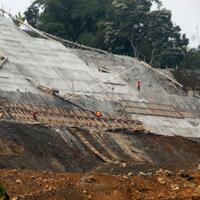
(192, 60)
(126, 28)
(120, 26)
(77, 20)
(19, 17)
(166, 42)
(135, 29)
(32, 14)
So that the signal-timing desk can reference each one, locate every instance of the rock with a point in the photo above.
(39, 179)
(142, 174)
(130, 174)
(117, 162)
(87, 179)
(186, 176)
(22, 196)
(161, 180)
(190, 185)
(133, 184)
(174, 187)
(124, 165)
(197, 191)
(172, 197)
(90, 197)
(33, 177)
(142, 189)
(85, 192)
(160, 171)
(48, 188)
(40, 184)
(168, 173)
(15, 198)
(198, 167)
(45, 180)
(149, 173)
(125, 177)
(18, 181)
(160, 196)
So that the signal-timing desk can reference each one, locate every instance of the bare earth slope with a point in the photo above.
(37, 147)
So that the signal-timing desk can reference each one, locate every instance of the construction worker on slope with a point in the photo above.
(138, 84)
(35, 115)
(98, 114)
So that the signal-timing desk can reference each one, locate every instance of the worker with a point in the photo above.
(138, 85)
(98, 114)
(35, 115)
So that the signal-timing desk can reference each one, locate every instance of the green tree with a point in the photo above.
(19, 17)
(166, 42)
(77, 20)
(192, 60)
(32, 14)
(120, 26)
(126, 26)
(135, 29)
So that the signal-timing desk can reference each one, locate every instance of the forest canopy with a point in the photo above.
(139, 28)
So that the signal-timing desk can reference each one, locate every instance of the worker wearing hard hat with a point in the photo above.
(98, 114)
(138, 84)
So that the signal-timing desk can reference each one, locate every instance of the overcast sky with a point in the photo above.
(186, 13)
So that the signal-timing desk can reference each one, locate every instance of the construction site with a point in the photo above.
(74, 125)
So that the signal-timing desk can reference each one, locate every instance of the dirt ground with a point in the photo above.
(164, 184)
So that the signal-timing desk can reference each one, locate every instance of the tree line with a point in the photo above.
(139, 28)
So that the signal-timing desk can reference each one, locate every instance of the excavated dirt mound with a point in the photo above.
(29, 185)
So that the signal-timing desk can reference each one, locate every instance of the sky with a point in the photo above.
(185, 13)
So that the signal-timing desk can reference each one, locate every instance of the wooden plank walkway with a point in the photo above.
(57, 116)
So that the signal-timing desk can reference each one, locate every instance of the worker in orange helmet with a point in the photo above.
(138, 84)
(98, 114)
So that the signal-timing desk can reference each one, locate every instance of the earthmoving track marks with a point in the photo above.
(85, 141)
(54, 116)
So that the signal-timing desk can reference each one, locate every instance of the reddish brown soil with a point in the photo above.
(31, 185)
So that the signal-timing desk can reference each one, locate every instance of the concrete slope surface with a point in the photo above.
(83, 72)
